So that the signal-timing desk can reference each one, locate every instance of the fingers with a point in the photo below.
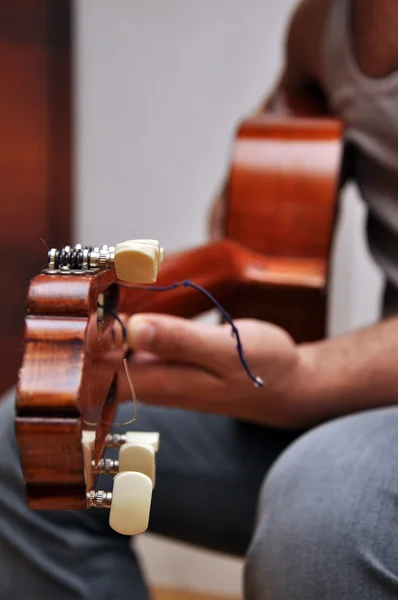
(180, 386)
(182, 340)
(211, 348)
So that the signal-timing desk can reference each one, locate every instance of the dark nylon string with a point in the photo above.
(235, 333)
(116, 316)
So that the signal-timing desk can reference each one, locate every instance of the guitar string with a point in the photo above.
(132, 390)
(258, 382)
(127, 371)
(185, 283)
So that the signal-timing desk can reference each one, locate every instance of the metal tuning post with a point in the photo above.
(106, 466)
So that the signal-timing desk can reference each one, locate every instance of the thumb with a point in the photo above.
(181, 340)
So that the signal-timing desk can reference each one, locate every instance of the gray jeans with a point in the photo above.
(321, 523)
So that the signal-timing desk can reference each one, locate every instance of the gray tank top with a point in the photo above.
(369, 109)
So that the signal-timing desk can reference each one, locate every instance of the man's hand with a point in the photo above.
(185, 364)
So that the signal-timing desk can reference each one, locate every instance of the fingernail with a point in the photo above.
(139, 333)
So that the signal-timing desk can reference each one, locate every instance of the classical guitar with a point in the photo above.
(273, 264)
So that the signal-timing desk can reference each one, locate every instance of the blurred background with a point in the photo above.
(129, 108)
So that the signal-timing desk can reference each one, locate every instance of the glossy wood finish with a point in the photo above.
(35, 150)
(245, 282)
(67, 386)
(283, 186)
(273, 265)
(282, 203)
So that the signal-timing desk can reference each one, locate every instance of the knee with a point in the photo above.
(324, 513)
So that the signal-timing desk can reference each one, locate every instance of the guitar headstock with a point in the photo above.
(67, 392)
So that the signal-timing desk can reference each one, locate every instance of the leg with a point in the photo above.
(327, 515)
(63, 555)
(209, 471)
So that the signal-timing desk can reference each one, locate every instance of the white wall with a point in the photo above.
(160, 87)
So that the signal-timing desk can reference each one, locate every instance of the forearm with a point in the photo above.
(347, 374)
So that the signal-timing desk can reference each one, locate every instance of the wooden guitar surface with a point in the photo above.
(273, 265)
(67, 387)
(274, 262)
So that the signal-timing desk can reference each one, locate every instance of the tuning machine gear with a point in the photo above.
(135, 261)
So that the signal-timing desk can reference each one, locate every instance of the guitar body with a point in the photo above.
(273, 264)
(281, 204)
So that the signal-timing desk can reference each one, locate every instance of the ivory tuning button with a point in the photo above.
(149, 438)
(138, 457)
(138, 261)
(132, 457)
(131, 503)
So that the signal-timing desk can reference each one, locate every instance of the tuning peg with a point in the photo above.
(131, 503)
(138, 457)
(135, 261)
(138, 261)
(132, 457)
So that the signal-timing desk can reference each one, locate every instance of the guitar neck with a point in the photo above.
(219, 268)
(225, 269)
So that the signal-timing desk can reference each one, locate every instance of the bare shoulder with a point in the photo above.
(374, 26)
